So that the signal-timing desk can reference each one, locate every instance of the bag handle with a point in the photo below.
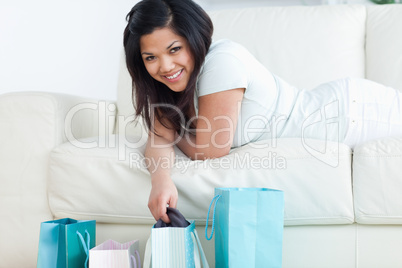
(85, 246)
(135, 260)
(199, 255)
(216, 198)
(147, 256)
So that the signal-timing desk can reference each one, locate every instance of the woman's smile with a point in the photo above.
(175, 77)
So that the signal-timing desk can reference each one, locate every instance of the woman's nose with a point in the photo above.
(167, 65)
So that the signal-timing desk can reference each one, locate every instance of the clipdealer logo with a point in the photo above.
(270, 160)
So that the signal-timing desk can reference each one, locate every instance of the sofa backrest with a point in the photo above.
(384, 45)
(306, 45)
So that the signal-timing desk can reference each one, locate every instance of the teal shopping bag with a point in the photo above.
(248, 225)
(174, 247)
(65, 243)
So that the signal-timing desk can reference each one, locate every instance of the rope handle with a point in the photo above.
(135, 260)
(85, 246)
(216, 198)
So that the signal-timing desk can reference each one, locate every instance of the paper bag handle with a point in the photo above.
(135, 260)
(216, 198)
(199, 255)
(147, 256)
(85, 246)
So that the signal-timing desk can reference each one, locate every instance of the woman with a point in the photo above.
(208, 97)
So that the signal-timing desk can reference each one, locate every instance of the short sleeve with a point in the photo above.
(222, 71)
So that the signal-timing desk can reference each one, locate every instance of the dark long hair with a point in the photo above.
(186, 19)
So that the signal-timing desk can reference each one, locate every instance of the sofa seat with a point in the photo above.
(377, 181)
(103, 183)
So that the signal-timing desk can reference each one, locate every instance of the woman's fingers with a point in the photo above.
(158, 209)
(162, 194)
(165, 217)
(163, 209)
(173, 202)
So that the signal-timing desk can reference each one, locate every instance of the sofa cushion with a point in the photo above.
(377, 181)
(384, 45)
(113, 184)
(125, 121)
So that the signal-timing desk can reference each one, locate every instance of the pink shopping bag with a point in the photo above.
(114, 254)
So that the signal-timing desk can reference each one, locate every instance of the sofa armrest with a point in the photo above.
(73, 117)
(32, 124)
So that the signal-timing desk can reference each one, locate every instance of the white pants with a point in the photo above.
(374, 112)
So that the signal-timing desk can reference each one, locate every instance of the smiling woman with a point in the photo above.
(165, 43)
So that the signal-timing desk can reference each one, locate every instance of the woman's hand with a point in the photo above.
(163, 193)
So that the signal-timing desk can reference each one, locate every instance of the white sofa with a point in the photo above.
(64, 156)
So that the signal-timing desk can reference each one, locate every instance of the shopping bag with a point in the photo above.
(111, 254)
(248, 225)
(65, 243)
(174, 247)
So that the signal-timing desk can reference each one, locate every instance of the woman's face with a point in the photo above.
(167, 58)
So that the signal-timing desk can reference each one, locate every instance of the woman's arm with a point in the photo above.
(160, 155)
(216, 123)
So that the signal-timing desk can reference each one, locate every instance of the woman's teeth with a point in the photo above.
(174, 76)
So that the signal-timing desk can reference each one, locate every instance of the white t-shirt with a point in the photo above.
(270, 107)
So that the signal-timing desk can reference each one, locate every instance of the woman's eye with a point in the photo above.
(175, 49)
(149, 58)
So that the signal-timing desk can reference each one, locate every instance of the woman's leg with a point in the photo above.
(374, 112)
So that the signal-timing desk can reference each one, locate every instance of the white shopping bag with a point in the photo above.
(114, 254)
(174, 247)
